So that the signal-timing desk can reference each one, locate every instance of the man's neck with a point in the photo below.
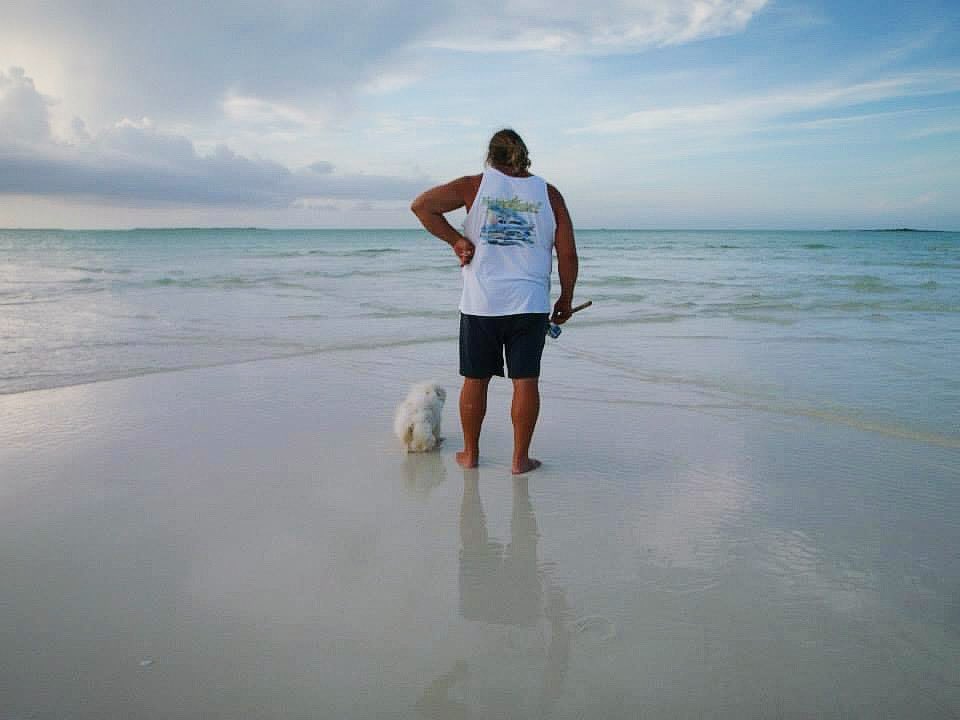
(511, 172)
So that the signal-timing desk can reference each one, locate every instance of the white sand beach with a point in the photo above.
(250, 541)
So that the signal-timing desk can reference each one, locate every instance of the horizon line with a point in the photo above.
(172, 228)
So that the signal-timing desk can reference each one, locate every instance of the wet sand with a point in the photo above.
(250, 541)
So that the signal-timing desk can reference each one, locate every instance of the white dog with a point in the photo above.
(417, 422)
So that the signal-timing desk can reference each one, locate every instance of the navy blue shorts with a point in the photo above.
(485, 340)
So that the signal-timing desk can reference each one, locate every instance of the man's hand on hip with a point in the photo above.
(464, 250)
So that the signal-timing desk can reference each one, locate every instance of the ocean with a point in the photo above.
(857, 328)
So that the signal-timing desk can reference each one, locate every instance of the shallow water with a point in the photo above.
(860, 326)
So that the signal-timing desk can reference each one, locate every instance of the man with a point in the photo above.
(514, 222)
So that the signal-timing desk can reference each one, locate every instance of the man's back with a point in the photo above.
(511, 225)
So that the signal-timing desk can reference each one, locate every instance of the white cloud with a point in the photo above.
(23, 110)
(844, 121)
(389, 124)
(732, 115)
(144, 123)
(943, 129)
(601, 26)
(141, 57)
(181, 58)
(248, 110)
(389, 82)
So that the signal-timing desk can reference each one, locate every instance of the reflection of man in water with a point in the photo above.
(501, 584)
(498, 584)
(558, 652)
(436, 701)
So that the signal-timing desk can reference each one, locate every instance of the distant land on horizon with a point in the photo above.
(902, 230)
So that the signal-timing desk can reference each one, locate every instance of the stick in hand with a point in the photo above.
(554, 330)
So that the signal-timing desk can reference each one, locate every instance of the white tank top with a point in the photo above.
(512, 227)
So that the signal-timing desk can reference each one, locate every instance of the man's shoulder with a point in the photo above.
(468, 186)
(467, 183)
(555, 197)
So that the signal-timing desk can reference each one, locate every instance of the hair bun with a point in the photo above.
(508, 150)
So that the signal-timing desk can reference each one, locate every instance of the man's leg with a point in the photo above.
(473, 406)
(524, 412)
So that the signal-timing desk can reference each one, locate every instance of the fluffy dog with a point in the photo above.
(417, 422)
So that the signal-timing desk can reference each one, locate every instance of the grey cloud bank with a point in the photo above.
(136, 163)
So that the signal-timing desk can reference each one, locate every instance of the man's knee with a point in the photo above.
(474, 393)
(476, 383)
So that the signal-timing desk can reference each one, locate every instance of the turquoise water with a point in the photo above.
(861, 328)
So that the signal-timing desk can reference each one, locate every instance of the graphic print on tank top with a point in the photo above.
(509, 221)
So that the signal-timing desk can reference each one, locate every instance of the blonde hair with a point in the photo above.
(508, 150)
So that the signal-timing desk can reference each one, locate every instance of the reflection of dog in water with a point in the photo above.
(417, 421)
(423, 471)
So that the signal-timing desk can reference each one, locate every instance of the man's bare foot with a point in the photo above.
(525, 466)
(467, 459)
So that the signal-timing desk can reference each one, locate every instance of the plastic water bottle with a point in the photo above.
(554, 330)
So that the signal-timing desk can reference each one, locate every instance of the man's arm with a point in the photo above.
(567, 261)
(430, 206)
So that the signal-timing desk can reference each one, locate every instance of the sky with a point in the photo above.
(645, 114)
